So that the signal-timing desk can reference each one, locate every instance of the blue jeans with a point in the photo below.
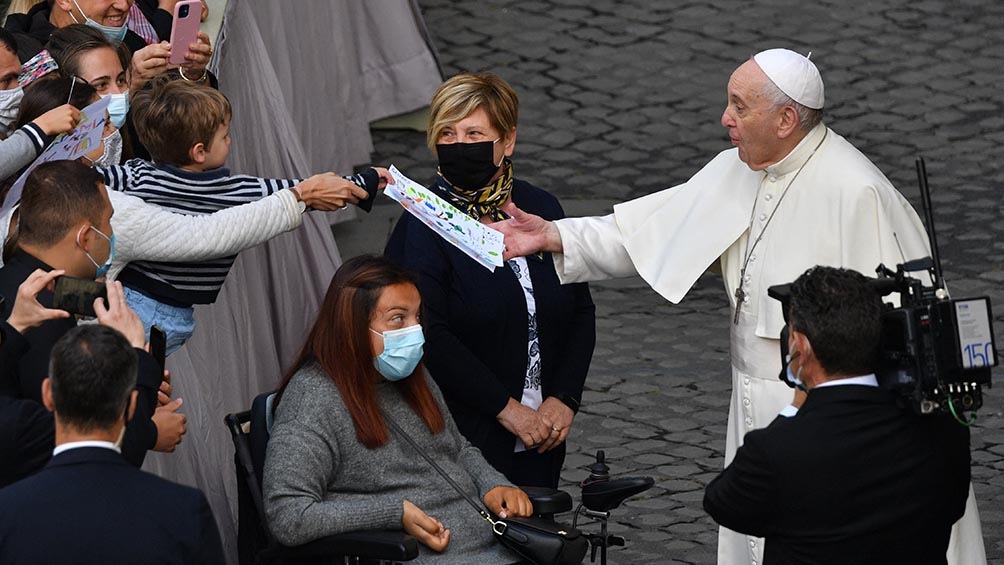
(176, 321)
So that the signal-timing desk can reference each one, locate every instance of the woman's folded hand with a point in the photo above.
(424, 528)
(508, 501)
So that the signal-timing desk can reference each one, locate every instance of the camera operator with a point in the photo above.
(851, 477)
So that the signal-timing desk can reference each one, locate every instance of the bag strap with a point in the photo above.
(497, 525)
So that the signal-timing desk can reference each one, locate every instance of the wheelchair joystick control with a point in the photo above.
(600, 494)
(598, 471)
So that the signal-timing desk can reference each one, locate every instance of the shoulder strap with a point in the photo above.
(397, 429)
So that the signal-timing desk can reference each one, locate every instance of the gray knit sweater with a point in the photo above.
(319, 480)
(24, 144)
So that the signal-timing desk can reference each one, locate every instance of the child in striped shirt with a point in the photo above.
(185, 127)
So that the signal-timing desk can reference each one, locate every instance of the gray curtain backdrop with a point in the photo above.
(305, 78)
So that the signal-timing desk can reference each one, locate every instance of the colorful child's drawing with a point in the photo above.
(480, 242)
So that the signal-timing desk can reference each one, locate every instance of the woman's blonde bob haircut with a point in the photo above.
(462, 94)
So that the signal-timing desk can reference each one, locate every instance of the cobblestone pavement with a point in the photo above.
(621, 98)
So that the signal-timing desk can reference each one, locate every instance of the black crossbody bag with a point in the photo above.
(538, 541)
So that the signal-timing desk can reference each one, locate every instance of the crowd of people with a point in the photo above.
(485, 369)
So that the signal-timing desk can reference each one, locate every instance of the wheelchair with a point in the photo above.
(250, 433)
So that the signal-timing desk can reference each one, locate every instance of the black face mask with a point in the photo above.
(467, 165)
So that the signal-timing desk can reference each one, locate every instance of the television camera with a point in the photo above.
(937, 352)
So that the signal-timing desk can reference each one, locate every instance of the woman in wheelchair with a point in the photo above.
(333, 465)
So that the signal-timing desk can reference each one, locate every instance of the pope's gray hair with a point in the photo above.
(808, 118)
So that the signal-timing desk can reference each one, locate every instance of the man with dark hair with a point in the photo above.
(90, 504)
(852, 477)
(65, 224)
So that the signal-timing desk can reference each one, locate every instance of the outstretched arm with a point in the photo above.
(526, 234)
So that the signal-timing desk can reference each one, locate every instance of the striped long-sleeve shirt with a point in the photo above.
(184, 284)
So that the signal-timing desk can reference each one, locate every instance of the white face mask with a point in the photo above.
(118, 107)
(116, 34)
(10, 103)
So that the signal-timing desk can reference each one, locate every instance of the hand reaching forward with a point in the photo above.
(61, 119)
(424, 528)
(328, 191)
(385, 177)
(526, 234)
(508, 501)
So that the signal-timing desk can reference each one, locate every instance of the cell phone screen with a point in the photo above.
(77, 296)
(158, 345)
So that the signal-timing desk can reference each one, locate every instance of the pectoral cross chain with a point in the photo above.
(740, 298)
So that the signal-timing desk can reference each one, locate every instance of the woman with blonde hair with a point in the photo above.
(510, 348)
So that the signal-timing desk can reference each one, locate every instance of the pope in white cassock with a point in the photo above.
(791, 194)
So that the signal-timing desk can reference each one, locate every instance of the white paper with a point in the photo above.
(480, 242)
(86, 137)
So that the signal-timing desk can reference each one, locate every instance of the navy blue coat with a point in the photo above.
(476, 329)
(26, 365)
(852, 478)
(88, 505)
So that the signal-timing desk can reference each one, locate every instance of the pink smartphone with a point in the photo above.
(184, 29)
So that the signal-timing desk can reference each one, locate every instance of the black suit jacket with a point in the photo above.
(27, 431)
(852, 478)
(475, 324)
(89, 506)
(21, 380)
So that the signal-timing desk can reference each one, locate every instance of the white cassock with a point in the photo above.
(830, 206)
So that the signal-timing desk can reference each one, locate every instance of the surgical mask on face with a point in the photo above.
(118, 107)
(402, 351)
(794, 379)
(102, 269)
(113, 33)
(468, 165)
(112, 153)
(10, 103)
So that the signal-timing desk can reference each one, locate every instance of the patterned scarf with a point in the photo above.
(36, 67)
(484, 201)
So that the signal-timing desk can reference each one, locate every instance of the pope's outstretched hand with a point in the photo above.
(527, 233)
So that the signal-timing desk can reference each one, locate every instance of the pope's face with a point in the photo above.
(751, 118)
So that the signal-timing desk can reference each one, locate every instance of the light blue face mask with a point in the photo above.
(102, 269)
(402, 351)
(118, 108)
(793, 379)
(116, 34)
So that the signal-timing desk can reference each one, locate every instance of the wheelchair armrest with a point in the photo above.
(382, 545)
(603, 496)
(548, 500)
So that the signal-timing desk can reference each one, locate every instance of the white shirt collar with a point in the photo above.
(863, 380)
(86, 443)
(800, 154)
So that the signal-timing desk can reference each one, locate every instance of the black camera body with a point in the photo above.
(937, 352)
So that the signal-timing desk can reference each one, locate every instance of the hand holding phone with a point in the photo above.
(184, 29)
(118, 315)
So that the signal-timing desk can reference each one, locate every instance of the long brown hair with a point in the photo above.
(339, 342)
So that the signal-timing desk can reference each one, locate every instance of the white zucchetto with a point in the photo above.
(794, 74)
